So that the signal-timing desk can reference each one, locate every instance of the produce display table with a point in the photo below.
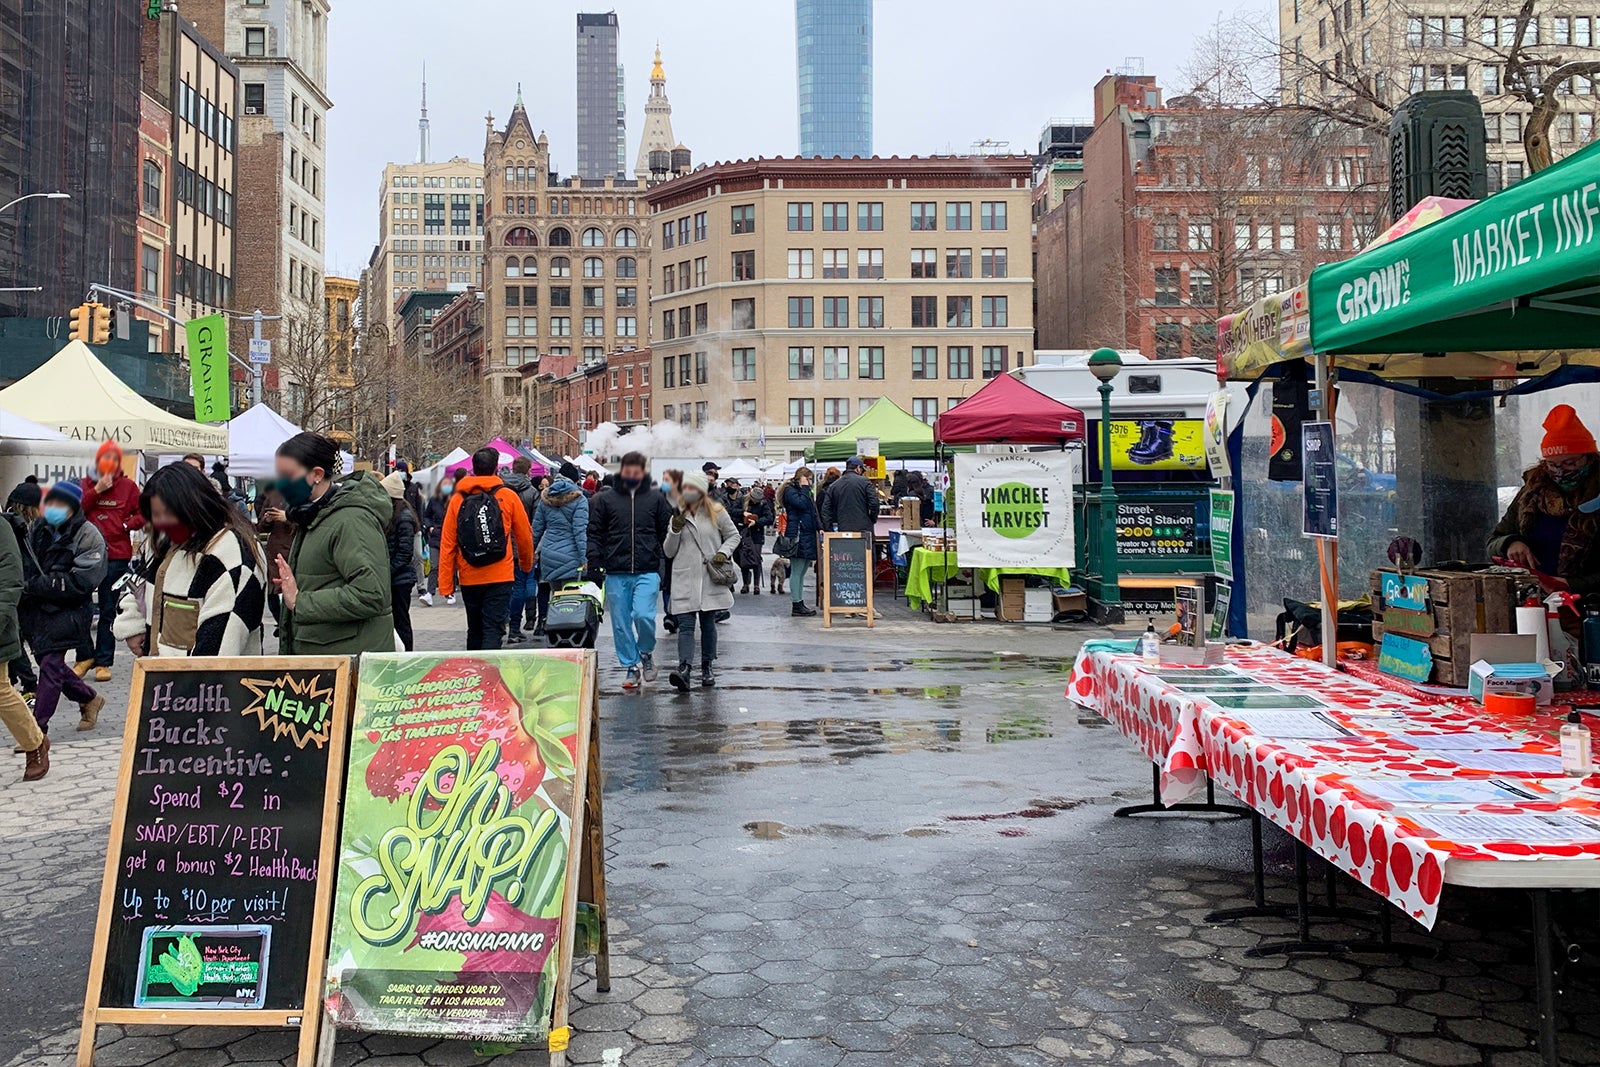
(1402, 795)
(928, 567)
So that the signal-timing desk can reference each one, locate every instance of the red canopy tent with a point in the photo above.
(1006, 411)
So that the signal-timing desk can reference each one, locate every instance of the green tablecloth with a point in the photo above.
(927, 568)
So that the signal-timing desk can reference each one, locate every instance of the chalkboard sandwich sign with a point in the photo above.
(219, 874)
(846, 576)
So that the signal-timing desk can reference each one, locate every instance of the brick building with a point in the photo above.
(458, 335)
(1187, 212)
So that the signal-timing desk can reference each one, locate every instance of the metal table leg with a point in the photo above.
(1544, 974)
(1210, 807)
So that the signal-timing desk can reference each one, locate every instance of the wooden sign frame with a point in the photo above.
(309, 1016)
(826, 604)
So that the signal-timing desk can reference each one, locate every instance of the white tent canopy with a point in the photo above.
(428, 477)
(740, 468)
(253, 440)
(78, 395)
(588, 463)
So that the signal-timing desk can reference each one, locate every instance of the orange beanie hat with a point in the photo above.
(108, 450)
(1565, 434)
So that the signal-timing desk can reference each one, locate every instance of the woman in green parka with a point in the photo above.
(336, 579)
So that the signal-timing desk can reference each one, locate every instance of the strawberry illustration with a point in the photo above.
(397, 765)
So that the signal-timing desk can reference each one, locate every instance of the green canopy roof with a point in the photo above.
(1516, 272)
(900, 435)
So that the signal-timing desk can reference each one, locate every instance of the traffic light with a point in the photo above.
(101, 324)
(81, 321)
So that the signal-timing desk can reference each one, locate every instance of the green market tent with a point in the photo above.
(1518, 272)
(900, 435)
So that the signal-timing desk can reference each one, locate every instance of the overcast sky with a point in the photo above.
(947, 73)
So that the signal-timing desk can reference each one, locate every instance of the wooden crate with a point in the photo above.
(1464, 603)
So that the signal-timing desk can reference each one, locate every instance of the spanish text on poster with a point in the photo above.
(457, 829)
(1014, 510)
(1222, 533)
(1319, 480)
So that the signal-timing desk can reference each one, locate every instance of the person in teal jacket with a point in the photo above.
(336, 591)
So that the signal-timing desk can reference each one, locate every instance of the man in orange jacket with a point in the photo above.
(486, 539)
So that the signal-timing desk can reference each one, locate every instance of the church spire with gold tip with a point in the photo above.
(657, 143)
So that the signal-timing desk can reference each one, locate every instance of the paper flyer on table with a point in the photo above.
(1527, 762)
(1525, 829)
(1459, 791)
(1308, 725)
(1468, 740)
(1264, 701)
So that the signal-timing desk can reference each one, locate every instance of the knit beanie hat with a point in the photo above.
(695, 480)
(570, 471)
(108, 448)
(1565, 434)
(71, 492)
(395, 483)
(26, 493)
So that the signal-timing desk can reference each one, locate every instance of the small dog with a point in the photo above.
(778, 574)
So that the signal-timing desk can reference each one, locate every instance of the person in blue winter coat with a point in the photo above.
(560, 538)
(803, 524)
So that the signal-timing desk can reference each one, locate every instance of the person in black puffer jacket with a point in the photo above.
(803, 524)
(627, 528)
(63, 561)
(433, 516)
(402, 533)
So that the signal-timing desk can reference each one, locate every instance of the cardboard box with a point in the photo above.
(1511, 678)
(1038, 605)
(1069, 600)
(1012, 600)
(910, 513)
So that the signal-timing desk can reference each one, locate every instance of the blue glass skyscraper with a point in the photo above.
(834, 42)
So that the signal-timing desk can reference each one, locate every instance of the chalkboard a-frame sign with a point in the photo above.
(214, 909)
(846, 576)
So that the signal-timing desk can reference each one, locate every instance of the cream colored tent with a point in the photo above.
(77, 394)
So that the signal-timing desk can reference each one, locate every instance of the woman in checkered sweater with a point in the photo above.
(200, 582)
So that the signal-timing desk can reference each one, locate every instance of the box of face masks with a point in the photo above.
(1533, 678)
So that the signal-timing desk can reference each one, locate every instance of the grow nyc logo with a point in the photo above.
(1385, 288)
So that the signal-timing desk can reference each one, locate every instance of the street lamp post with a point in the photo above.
(1105, 365)
(31, 196)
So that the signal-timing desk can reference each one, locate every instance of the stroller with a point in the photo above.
(573, 619)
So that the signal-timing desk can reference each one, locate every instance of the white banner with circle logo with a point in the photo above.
(1014, 510)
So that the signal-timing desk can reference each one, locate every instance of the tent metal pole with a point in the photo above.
(1328, 572)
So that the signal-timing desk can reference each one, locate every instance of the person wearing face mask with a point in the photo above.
(1545, 529)
(701, 540)
(336, 576)
(202, 580)
(64, 561)
(627, 527)
(111, 502)
(434, 512)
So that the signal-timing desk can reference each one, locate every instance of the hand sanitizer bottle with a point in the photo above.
(1150, 646)
(1577, 758)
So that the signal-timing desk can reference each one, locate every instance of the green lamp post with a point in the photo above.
(1105, 365)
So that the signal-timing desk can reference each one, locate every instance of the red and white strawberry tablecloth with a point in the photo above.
(1403, 794)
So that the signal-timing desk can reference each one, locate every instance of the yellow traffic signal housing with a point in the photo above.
(102, 324)
(81, 322)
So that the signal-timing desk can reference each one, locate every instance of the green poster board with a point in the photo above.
(1222, 533)
(470, 816)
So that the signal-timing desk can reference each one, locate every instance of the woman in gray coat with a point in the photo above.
(700, 537)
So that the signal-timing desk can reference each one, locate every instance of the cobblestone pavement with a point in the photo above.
(866, 849)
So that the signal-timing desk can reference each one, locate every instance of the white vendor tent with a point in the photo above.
(428, 477)
(77, 394)
(26, 448)
(588, 463)
(253, 440)
(740, 468)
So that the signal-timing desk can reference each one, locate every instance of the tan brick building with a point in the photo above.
(794, 292)
(565, 264)
(339, 300)
(430, 234)
(1357, 53)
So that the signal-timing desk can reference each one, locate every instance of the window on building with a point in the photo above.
(152, 187)
(869, 362)
(958, 362)
(869, 312)
(1166, 235)
(1200, 235)
(744, 409)
(561, 296)
(255, 98)
(744, 266)
(702, 368)
(560, 326)
(869, 216)
(669, 279)
(1564, 126)
(802, 263)
(836, 263)
(802, 414)
(744, 218)
(627, 326)
(800, 312)
(800, 217)
(992, 312)
(994, 263)
(992, 215)
(925, 215)
(1286, 235)
(255, 41)
(668, 236)
(994, 360)
(149, 270)
(958, 311)
(627, 237)
(924, 362)
(1514, 172)
(835, 216)
(668, 379)
(593, 238)
(669, 325)
(702, 318)
(700, 226)
(1202, 290)
(925, 408)
(683, 230)
(1169, 340)
(594, 267)
(958, 216)
(743, 314)
(594, 296)
(560, 267)
(1167, 287)
(925, 312)
(869, 263)
(958, 263)
(835, 411)
(836, 312)
(1511, 126)
(1491, 79)
(744, 365)
(627, 296)
(685, 322)
(513, 325)
(924, 262)
(802, 364)
(1330, 234)
(836, 363)
(685, 375)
